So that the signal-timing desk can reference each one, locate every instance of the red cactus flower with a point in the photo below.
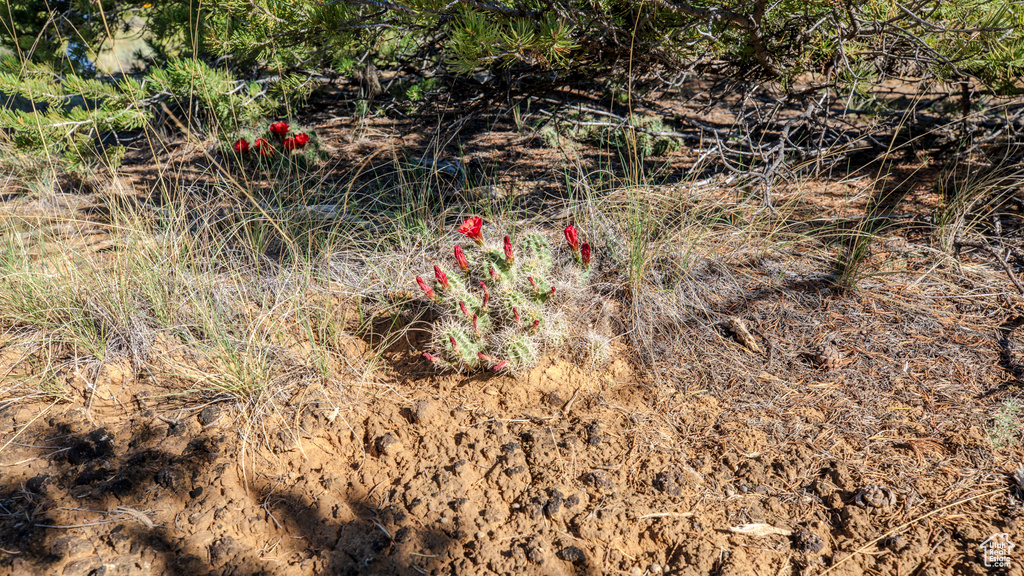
(301, 139)
(572, 237)
(425, 288)
(460, 257)
(290, 144)
(432, 358)
(242, 146)
(487, 295)
(515, 312)
(508, 250)
(279, 129)
(455, 345)
(442, 278)
(471, 227)
(500, 365)
(263, 147)
(585, 254)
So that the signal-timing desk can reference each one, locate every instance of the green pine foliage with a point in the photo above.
(70, 116)
(225, 64)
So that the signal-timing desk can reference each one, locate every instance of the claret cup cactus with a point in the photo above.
(499, 303)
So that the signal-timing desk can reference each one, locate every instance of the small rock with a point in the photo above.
(655, 569)
(535, 552)
(534, 510)
(223, 550)
(71, 547)
(573, 554)
(598, 479)
(388, 444)
(554, 505)
(95, 445)
(828, 358)
(23, 415)
(37, 484)
(84, 567)
(553, 399)
(808, 542)
(170, 477)
(670, 482)
(424, 412)
(874, 496)
(208, 415)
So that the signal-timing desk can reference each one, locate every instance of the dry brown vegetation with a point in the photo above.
(804, 373)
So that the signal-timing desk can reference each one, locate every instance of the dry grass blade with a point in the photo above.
(760, 530)
(140, 516)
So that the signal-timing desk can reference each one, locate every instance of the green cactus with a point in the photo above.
(461, 346)
(521, 351)
(536, 260)
(497, 306)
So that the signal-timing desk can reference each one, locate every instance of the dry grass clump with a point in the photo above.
(226, 313)
(234, 290)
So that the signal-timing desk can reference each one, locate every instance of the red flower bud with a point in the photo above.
(471, 227)
(263, 147)
(425, 288)
(484, 357)
(500, 365)
(515, 313)
(552, 291)
(493, 274)
(535, 325)
(460, 257)
(279, 129)
(532, 282)
(572, 237)
(475, 329)
(585, 254)
(442, 278)
(508, 250)
(241, 146)
(431, 357)
(487, 295)
(455, 345)
(462, 306)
